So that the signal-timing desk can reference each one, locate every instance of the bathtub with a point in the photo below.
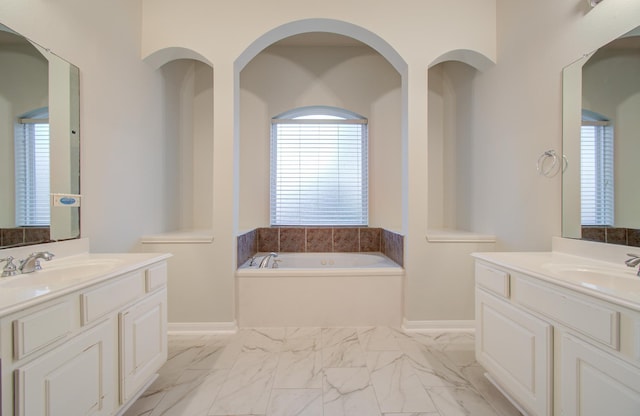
(320, 289)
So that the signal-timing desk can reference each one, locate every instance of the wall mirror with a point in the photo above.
(601, 141)
(39, 143)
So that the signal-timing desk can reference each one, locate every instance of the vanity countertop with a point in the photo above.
(67, 274)
(609, 281)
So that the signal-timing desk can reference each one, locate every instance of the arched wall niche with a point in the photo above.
(451, 143)
(258, 73)
(472, 58)
(165, 55)
(322, 25)
(187, 95)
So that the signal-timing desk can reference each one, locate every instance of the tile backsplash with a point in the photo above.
(321, 240)
(612, 235)
(19, 236)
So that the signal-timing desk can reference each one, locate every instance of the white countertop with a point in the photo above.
(66, 274)
(613, 282)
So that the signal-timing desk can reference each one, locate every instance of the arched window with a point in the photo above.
(31, 148)
(319, 168)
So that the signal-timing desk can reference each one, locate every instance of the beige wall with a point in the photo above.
(519, 103)
(421, 34)
(123, 142)
(125, 146)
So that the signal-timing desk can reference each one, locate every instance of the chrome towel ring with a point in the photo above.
(548, 164)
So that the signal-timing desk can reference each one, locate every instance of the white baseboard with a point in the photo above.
(439, 326)
(184, 328)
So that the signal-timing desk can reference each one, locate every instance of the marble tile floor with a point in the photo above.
(322, 372)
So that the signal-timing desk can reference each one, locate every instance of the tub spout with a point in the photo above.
(264, 263)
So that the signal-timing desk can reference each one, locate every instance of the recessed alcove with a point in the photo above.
(450, 152)
(329, 70)
(188, 118)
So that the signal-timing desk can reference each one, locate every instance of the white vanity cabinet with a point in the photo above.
(143, 343)
(73, 379)
(553, 350)
(89, 351)
(594, 383)
(514, 346)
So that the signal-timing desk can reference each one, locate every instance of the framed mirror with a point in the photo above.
(601, 141)
(39, 143)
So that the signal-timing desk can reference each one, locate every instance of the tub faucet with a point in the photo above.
(32, 262)
(264, 263)
(9, 268)
(633, 261)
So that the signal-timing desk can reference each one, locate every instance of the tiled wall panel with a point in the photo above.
(19, 236)
(321, 240)
(612, 235)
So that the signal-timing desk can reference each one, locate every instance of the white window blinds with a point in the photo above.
(596, 173)
(319, 169)
(32, 172)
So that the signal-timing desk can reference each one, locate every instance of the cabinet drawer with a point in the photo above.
(41, 328)
(494, 280)
(156, 277)
(108, 297)
(589, 318)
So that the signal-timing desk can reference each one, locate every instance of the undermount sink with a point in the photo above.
(59, 271)
(602, 277)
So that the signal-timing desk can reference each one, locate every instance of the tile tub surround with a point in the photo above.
(612, 235)
(321, 240)
(247, 244)
(322, 371)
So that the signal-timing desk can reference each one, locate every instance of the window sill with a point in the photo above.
(458, 236)
(179, 237)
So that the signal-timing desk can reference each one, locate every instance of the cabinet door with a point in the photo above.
(75, 379)
(595, 383)
(516, 349)
(143, 338)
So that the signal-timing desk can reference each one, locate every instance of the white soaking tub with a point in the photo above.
(320, 289)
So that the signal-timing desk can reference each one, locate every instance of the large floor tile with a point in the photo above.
(296, 402)
(397, 387)
(456, 401)
(322, 372)
(348, 392)
(299, 370)
(248, 386)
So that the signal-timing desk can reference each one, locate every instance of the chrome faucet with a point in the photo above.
(633, 261)
(9, 268)
(264, 263)
(32, 262)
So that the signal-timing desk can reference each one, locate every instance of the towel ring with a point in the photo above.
(548, 165)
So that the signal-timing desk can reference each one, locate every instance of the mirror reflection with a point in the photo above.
(601, 103)
(39, 143)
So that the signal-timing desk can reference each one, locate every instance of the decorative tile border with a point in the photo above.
(320, 239)
(612, 235)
